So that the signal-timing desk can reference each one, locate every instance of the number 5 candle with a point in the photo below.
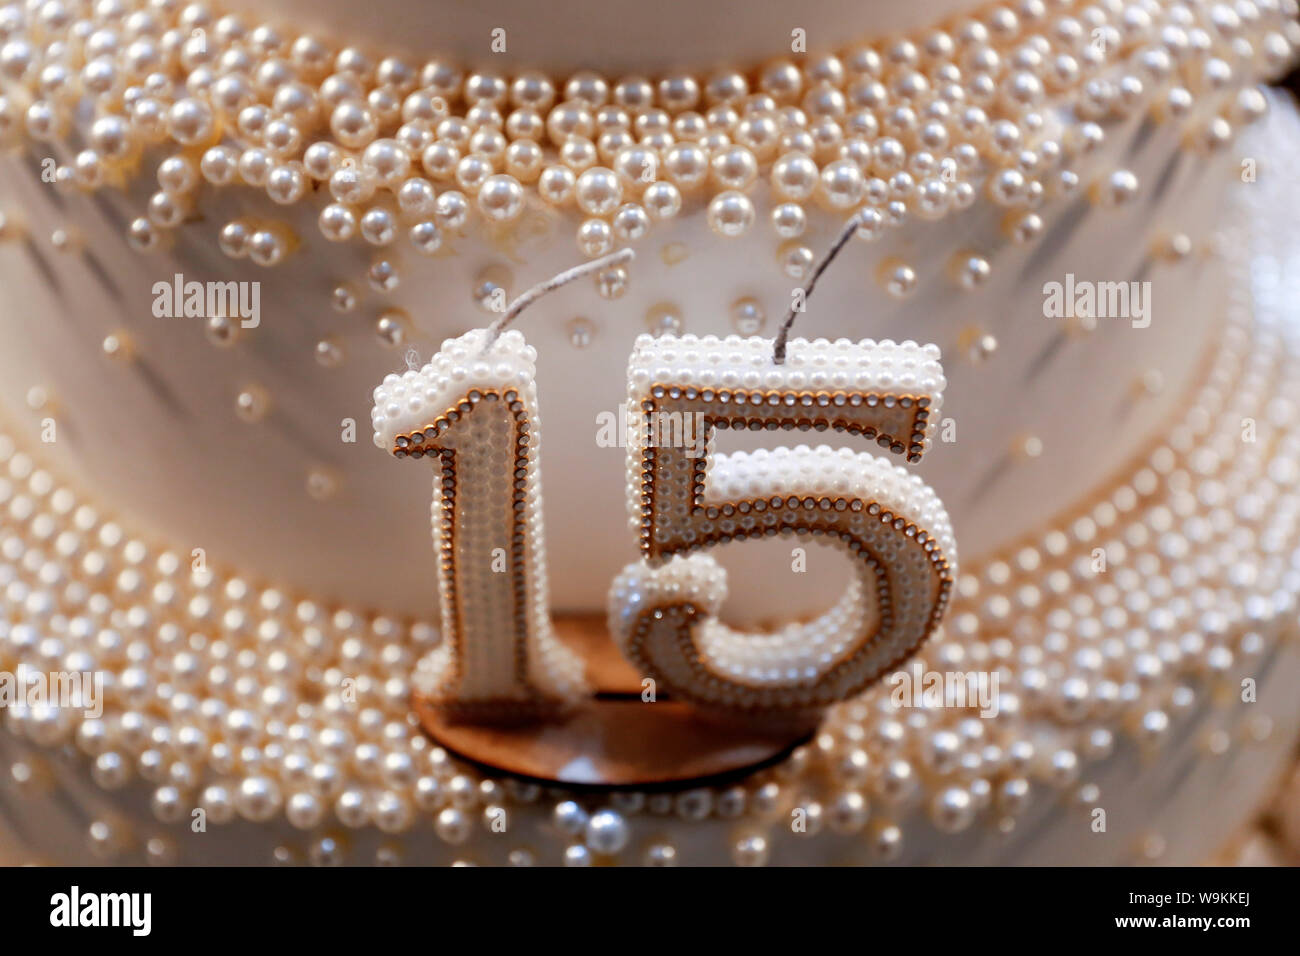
(663, 610)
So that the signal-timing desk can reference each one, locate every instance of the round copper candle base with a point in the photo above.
(616, 739)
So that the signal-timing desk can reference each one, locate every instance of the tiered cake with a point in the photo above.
(222, 228)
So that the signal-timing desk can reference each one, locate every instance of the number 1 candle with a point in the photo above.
(473, 412)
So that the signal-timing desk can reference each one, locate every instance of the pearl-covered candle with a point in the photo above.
(663, 610)
(474, 413)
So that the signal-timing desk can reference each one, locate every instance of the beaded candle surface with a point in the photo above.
(683, 499)
(473, 412)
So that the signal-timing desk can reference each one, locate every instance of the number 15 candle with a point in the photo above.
(473, 410)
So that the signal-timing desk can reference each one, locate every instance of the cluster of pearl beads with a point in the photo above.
(1004, 99)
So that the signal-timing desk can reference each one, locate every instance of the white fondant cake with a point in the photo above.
(1054, 194)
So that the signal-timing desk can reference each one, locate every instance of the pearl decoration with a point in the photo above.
(747, 316)
(607, 833)
(731, 214)
(580, 332)
(501, 198)
(829, 132)
(390, 327)
(252, 404)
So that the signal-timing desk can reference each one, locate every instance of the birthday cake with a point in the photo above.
(1025, 588)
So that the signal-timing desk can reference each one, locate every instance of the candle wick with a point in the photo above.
(564, 278)
(783, 334)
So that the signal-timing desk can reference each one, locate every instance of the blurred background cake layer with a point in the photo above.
(572, 35)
